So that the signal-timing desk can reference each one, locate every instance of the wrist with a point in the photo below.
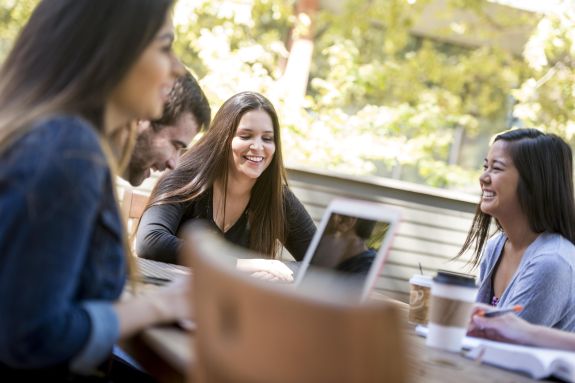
(530, 335)
(160, 311)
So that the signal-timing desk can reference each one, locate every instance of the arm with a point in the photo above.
(163, 305)
(300, 226)
(156, 237)
(50, 188)
(511, 328)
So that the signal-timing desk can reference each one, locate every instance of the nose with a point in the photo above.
(484, 177)
(171, 163)
(256, 144)
(178, 69)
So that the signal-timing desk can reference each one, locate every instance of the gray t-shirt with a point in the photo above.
(544, 283)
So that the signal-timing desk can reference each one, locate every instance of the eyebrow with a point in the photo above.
(495, 161)
(251, 130)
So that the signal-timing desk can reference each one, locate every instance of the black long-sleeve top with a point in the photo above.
(157, 236)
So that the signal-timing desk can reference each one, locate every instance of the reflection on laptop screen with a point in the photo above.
(346, 259)
(349, 244)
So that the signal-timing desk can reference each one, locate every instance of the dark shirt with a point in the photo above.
(358, 264)
(61, 255)
(157, 236)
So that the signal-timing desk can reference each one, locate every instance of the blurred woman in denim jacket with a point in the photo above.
(78, 72)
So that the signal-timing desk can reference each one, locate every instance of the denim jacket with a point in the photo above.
(61, 255)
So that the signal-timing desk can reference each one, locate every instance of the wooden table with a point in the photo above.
(167, 354)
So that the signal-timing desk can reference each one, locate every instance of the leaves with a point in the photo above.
(381, 99)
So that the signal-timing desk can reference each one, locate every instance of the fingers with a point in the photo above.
(281, 271)
(479, 308)
(268, 269)
(264, 275)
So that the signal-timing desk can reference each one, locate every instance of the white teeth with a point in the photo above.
(255, 158)
(488, 194)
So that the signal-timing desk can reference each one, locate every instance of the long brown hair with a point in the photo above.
(209, 160)
(545, 188)
(70, 56)
(68, 59)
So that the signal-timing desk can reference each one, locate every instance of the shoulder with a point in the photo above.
(292, 205)
(289, 197)
(553, 251)
(67, 132)
(55, 139)
(60, 150)
(287, 193)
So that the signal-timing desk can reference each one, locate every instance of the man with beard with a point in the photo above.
(160, 142)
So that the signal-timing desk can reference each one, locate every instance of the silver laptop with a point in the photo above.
(349, 249)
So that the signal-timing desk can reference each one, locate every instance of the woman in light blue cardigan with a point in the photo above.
(527, 187)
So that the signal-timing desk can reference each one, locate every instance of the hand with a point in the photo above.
(472, 329)
(267, 269)
(174, 299)
(505, 328)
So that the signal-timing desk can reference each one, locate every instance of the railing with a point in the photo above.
(433, 228)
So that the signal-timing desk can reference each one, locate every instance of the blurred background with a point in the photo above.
(406, 89)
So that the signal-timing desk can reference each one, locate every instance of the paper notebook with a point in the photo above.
(536, 362)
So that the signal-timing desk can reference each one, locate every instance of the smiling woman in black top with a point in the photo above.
(235, 179)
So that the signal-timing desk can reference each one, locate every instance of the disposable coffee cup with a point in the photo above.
(452, 299)
(419, 295)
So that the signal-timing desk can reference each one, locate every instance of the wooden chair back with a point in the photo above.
(255, 331)
(133, 205)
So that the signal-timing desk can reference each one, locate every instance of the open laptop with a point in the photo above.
(343, 260)
(348, 250)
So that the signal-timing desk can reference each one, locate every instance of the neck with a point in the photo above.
(238, 187)
(114, 119)
(519, 232)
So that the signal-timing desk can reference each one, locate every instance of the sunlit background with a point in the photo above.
(405, 89)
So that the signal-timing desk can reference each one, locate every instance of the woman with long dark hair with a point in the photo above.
(77, 74)
(527, 188)
(234, 178)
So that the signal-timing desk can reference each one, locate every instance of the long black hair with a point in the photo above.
(545, 188)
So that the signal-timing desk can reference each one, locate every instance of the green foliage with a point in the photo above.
(427, 88)
(381, 99)
(13, 14)
(547, 99)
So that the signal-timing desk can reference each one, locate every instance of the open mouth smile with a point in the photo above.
(487, 194)
(254, 159)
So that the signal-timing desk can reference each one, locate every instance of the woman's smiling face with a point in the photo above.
(253, 145)
(499, 182)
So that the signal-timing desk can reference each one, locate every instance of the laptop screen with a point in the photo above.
(349, 244)
(347, 255)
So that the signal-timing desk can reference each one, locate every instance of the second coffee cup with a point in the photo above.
(420, 291)
(452, 299)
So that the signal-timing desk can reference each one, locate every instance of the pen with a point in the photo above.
(154, 280)
(498, 312)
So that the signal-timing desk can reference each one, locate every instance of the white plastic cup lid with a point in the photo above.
(421, 280)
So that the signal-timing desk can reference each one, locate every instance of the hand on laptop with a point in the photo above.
(174, 298)
(266, 269)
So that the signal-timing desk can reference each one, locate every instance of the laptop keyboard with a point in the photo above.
(159, 273)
